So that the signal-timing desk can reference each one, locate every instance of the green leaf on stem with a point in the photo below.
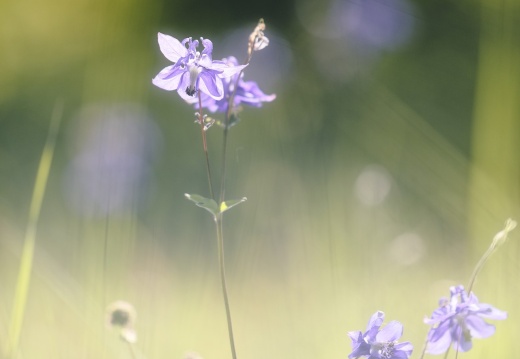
(224, 206)
(207, 203)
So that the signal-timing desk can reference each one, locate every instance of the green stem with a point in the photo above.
(221, 262)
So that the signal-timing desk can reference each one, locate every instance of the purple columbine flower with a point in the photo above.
(459, 319)
(192, 70)
(247, 92)
(380, 344)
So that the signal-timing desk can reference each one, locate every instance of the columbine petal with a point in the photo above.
(376, 320)
(391, 332)
(462, 342)
(488, 311)
(208, 47)
(210, 84)
(169, 78)
(440, 344)
(225, 70)
(406, 347)
(479, 328)
(171, 48)
(359, 346)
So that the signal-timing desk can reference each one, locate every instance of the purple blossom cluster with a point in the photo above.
(458, 320)
(377, 343)
(200, 80)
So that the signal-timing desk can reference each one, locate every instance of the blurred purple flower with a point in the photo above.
(116, 146)
(379, 24)
(350, 36)
(192, 71)
(247, 92)
(459, 319)
(380, 344)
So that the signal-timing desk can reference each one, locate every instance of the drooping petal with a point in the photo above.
(461, 340)
(211, 84)
(440, 344)
(169, 78)
(171, 48)
(224, 70)
(402, 350)
(479, 328)
(192, 100)
(488, 311)
(436, 333)
(249, 93)
(390, 333)
(406, 347)
(183, 85)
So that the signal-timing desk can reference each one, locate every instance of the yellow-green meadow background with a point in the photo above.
(375, 180)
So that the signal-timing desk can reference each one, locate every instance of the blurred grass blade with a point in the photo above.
(24, 274)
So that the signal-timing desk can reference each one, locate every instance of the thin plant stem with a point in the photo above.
(498, 240)
(205, 146)
(224, 160)
(219, 218)
(218, 221)
(479, 267)
(424, 348)
(26, 262)
(132, 350)
(221, 261)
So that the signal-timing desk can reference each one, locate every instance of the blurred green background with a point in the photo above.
(375, 180)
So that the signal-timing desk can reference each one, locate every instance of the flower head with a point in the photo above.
(257, 39)
(458, 320)
(121, 315)
(378, 343)
(192, 71)
(247, 92)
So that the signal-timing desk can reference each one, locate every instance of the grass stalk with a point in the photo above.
(26, 262)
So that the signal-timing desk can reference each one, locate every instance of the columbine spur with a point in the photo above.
(458, 320)
(380, 344)
(247, 92)
(192, 70)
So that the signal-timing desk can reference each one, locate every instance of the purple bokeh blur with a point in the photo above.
(350, 35)
(114, 150)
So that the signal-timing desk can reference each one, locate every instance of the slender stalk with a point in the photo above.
(424, 348)
(224, 160)
(205, 146)
(219, 227)
(219, 218)
(25, 271)
(221, 262)
(132, 350)
(498, 240)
